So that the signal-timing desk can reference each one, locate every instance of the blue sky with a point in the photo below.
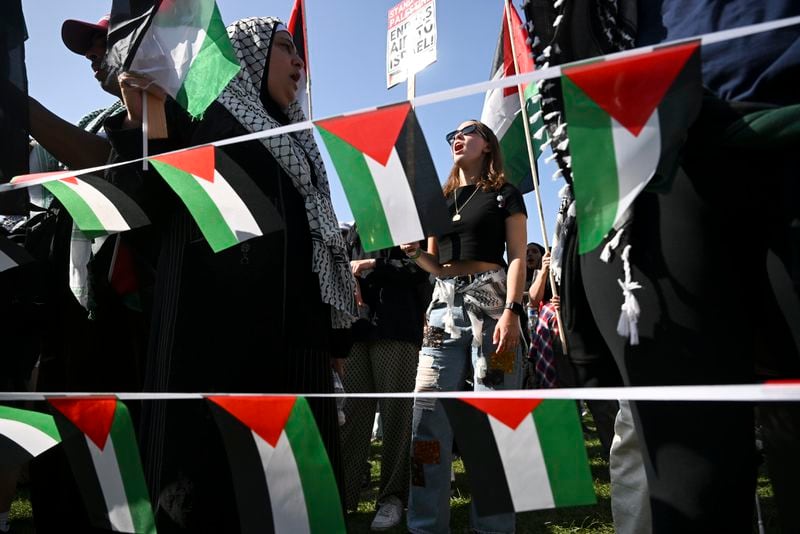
(347, 48)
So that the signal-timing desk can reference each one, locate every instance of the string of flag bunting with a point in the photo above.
(772, 391)
(425, 100)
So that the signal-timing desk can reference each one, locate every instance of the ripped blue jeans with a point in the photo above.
(444, 364)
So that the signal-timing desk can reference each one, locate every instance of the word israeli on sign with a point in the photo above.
(410, 40)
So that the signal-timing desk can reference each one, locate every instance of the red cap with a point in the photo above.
(78, 35)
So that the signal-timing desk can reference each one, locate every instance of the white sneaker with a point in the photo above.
(389, 514)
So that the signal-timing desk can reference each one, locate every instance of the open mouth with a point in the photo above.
(458, 147)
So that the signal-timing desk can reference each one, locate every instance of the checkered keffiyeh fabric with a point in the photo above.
(541, 353)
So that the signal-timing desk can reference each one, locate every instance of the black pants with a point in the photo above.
(708, 315)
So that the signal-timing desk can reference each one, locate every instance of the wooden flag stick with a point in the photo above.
(508, 6)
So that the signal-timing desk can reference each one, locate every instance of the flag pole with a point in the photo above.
(532, 161)
(308, 61)
(144, 131)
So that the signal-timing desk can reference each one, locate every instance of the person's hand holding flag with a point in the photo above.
(134, 87)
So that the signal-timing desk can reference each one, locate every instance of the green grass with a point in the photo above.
(576, 520)
(579, 519)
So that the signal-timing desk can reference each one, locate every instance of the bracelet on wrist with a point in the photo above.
(515, 307)
(416, 255)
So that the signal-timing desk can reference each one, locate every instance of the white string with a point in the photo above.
(627, 326)
(770, 392)
(610, 247)
(144, 130)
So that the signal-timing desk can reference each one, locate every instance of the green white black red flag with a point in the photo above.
(282, 476)
(387, 174)
(627, 120)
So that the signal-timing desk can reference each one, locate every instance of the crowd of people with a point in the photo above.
(477, 308)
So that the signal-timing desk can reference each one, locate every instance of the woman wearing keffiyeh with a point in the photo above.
(265, 316)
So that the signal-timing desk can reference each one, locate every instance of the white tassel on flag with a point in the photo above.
(552, 115)
(539, 133)
(629, 316)
(558, 20)
(610, 247)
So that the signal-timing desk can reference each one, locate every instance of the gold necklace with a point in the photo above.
(457, 216)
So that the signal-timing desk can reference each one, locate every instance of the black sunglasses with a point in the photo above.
(466, 130)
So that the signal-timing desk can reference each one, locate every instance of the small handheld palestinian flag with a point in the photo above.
(181, 44)
(501, 109)
(628, 119)
(24, 435)
(12, 255)
(226, 204)
(297, 27)
(97, 207)
(521, 454)
(100, 444)
(387, 174)
(283, 478)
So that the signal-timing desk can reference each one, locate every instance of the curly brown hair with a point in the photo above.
(492, 175)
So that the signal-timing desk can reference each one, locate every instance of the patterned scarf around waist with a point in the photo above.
(484, 295)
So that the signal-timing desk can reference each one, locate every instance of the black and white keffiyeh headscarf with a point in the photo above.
(295, 153)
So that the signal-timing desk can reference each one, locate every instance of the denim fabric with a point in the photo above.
(444, 365)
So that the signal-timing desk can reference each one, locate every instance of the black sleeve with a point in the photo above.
(513, 200)
(386, 273)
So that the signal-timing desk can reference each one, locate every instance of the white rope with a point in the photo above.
(611, 246)
(769, 392)
(629, 314)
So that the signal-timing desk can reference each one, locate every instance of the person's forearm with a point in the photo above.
(72, 146)
(536, 292)
(515, 280)
(429, 263)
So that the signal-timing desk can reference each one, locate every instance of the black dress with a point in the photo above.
(247, 319)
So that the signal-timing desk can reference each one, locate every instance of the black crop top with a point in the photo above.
(480, 234)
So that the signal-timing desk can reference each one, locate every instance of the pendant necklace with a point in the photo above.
(457, 216)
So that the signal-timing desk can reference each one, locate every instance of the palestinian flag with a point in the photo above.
(501, 109)
(181, 44)
(521, 454)
(387, 174)
(12, 255)
(101, 447)
(297, 27)
(97, 207)
(628, 119)
(226, 204)
(283, 479)
(24, 435)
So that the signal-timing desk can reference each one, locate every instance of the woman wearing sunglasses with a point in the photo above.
(473, 328)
